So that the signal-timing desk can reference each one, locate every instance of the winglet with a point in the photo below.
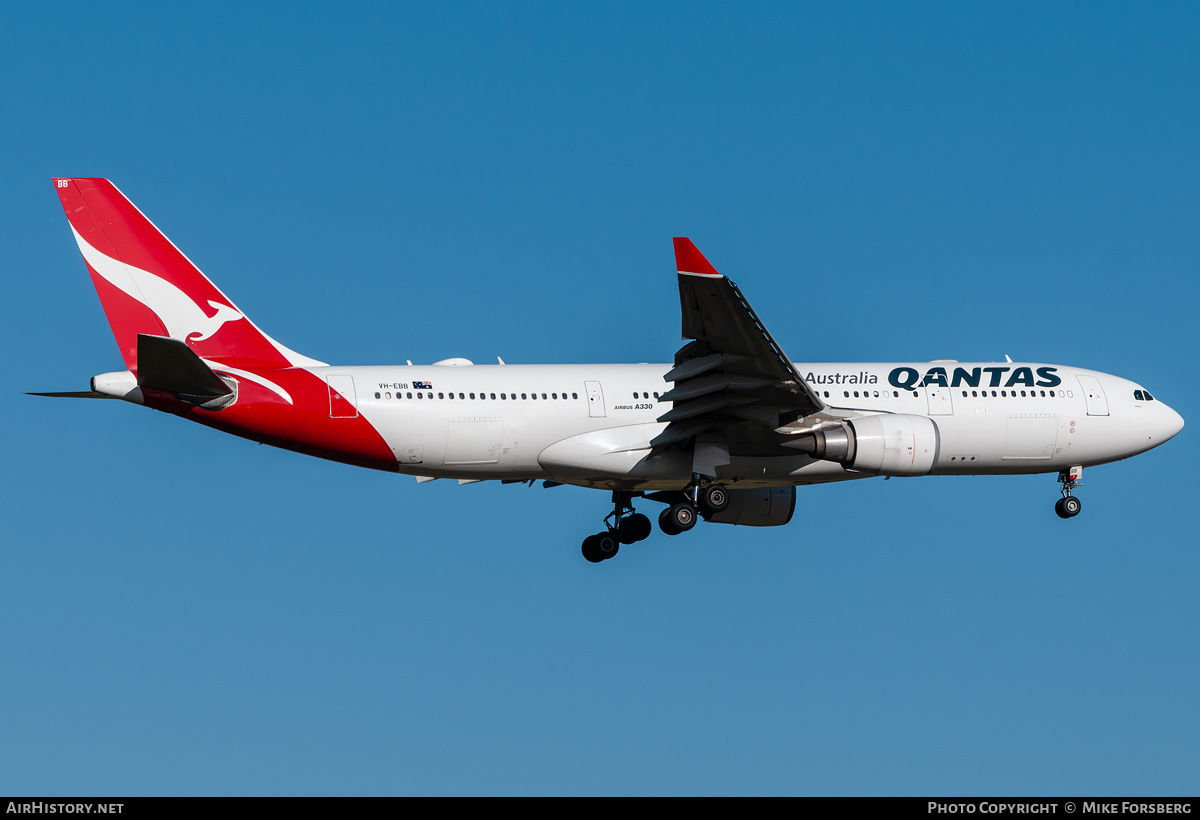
(689, 260)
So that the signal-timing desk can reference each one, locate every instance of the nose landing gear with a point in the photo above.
(1068, 506)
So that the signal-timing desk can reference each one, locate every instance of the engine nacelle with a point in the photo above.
(889, 444)
(765, 507)
(894, 444)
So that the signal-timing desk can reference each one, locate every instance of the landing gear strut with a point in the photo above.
(623, 526)
(1068, 506)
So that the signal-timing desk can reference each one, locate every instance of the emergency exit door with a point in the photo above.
(595, 397)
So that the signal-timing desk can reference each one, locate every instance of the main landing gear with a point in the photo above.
(624, 526)
(699, 501)
(1068, 506)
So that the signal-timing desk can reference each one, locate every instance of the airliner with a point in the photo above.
(724, 433)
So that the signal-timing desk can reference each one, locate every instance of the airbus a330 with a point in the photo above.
(725, 433)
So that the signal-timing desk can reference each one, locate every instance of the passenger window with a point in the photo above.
(574, 395)
(377, 396)
(493, 396)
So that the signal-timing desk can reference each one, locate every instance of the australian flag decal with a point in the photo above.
(422, 385)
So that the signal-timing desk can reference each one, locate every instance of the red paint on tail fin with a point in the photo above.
(147, 285)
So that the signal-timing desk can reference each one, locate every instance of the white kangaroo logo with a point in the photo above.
(213, 323)
(184, 318)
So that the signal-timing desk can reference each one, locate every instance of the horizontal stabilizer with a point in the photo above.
(171, 366)
(86, 394)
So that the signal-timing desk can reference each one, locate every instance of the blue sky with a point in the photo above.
(188, 613)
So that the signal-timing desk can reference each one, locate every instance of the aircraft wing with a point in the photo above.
(732, 384)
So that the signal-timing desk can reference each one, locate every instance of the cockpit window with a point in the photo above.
(1146, 393)
(1137, 394)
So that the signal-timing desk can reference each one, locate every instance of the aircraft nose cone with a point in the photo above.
(1172, 422)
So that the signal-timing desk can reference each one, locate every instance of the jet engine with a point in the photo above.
(889, 444)
(760, 507)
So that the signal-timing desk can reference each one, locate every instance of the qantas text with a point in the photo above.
(908, 378)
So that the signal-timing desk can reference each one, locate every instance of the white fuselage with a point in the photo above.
(592, 424)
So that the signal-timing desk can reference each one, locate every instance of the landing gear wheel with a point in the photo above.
(600, 547)
(636, 527)
(677, 518)
(664, 523)
(713, 499)
(1067, 506)
(591, 550)
(607, 545)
